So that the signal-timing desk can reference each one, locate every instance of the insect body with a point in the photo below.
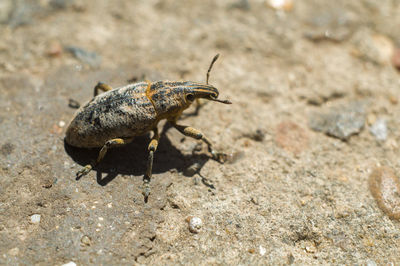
(116, 116)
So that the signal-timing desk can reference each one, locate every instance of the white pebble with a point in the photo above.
(371, 263)
(35, 219)
(262, 250)
(71, 263)
(195, 224)
(379, 129)
(285, 5)
(61, 123)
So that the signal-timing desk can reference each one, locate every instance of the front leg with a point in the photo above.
(147, 177)
(197, 134)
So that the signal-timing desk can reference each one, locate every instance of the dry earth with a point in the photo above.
(288, 195)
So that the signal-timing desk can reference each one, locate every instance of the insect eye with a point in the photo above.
(190, 97)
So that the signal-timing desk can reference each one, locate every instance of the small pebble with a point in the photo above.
(340, 121)
(257, 135)
(71, 263)
(73, 104)
(195, 224)
(310, 249)
(85, 240)
(55, 49)
(61, 123)
(285, 5)
(35, 219)
(385, 188)
(396, 58)
(262, 250)
(379, 129)
(392, 98)
(371, 263)
(373, 47)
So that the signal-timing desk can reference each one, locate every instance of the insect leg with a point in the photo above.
(109, 144)
(197, 134)
(101, 86)
(147, 177)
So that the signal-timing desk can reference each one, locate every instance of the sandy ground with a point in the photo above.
(289, 193)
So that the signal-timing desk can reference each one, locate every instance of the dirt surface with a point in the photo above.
(315, 111)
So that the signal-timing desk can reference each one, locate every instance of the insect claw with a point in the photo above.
(84, 171)
(146, 188)
(146, 192)
(219, 156)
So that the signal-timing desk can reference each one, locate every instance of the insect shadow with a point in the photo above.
(131, 159)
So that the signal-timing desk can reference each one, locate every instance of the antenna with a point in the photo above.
(211, 65)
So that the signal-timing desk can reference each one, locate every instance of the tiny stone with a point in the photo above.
(393, 99)
(379, 129)
(340, 121)
(73, 104)
(35, 219)
(385, 188)
(195, 224)
(71, 263)
(85, 240)
(373, 47)
(61, 123)
(396, 58)
(310, 249)
(285, 5)
(254, 200)
(262, 250)
(55, 49)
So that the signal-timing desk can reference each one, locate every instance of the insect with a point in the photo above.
(113, 118)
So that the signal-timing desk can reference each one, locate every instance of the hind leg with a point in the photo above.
(109, 144)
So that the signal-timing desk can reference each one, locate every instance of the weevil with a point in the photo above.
(113, 118)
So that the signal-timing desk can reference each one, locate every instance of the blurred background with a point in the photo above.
(312, 134)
